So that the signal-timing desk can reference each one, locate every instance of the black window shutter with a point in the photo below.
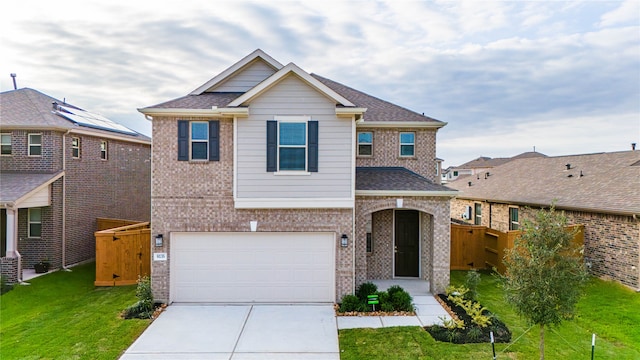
(214, 140)
(183, 140)
(272, 145)
(312, 147)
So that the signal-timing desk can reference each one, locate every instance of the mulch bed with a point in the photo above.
(336, 307)
(501, 333)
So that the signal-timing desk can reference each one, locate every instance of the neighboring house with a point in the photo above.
(481, 165)
(600, 191)
(273, 184)
(61, 168)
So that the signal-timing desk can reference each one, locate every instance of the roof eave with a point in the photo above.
(401, 124)
(16, 203)
(557, 206)
(448, 194)
(215, 112)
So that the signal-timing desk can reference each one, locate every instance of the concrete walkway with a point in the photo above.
(240, 332)
(428, 309)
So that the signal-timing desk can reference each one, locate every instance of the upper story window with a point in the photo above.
(365, 143)
(198, 140)
(75, 147)
(35, 222)
(514, 224)
(5, 144)
(104, 146)
(407, 144)
(292, 145)
(478, 214)
(35, 144)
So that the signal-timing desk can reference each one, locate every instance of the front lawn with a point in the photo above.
(607, 309)
(63, 316)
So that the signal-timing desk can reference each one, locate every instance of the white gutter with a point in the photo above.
(450, 194)
(214, 111)
(401, 124)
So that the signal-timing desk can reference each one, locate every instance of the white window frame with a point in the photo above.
(296, 120)
(29, 222)
(31, 144)
(364, 143)
(75, 147)
(3, 143)
(405, 144)
(104, 148)
(191, 140)
(477, 218)
(517, 223)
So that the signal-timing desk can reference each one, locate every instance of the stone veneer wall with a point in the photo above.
(436, 266)
(612, 242)
(386, 151)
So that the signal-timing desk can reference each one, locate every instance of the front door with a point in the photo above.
(407, 240)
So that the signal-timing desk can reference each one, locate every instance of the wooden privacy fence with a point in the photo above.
(478, 247)
(106, 223)
(123, 254)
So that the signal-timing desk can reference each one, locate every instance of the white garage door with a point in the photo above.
(252, 267)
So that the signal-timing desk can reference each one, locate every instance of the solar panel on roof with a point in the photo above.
(92, 120)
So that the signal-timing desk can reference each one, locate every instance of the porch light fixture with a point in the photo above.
(253, 225)
(344, 241)
(159, 240)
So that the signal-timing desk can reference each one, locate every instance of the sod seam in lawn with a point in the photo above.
(607, 309)
(63, 316)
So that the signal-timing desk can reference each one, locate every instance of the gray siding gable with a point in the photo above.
(246, 78)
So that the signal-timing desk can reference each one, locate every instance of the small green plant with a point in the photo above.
(366, 289)
(350, 303)
(473, 308)
(401, 300)
(474, 333)
(143, 308)
(471, 282)
(451, 323)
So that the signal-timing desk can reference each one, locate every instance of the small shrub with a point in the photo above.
(401, 300)
(394, 289)
(471, 282)
(4, 287)
(143, 308)
(474, 334)
(451, 324)
(351, 303)
(365, 290)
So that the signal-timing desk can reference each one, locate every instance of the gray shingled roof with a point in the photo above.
(377, 109)
(609, 182)
(15, 185)
(29, 108)
(203, 101)
(394, 179)
(484, 162)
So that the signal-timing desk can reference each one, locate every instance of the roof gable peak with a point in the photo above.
(257, 54)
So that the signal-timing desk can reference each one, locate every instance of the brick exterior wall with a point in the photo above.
(197, 196)
(116, 188)
(612, 242)
(10, 269)
(435, 237)
(386, 151)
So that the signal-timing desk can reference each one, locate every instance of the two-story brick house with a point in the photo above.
(270, 184)
(61, 168)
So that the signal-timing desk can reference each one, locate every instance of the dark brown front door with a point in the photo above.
(3, 232)
(407, 239)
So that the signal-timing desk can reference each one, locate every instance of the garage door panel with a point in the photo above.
(252, 267)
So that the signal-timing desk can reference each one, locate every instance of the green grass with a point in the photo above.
(609, 310)
(63, 316)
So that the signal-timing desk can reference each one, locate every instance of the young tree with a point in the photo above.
(545, 271)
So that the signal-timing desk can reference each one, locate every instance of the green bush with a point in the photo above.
(143, 309)
(401, 300)
(351, 303)
(365, 290)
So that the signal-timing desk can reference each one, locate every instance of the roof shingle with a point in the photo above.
(393, 179)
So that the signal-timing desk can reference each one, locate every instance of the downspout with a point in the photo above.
(64, 201)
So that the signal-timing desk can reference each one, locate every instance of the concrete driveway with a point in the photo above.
(240, 332)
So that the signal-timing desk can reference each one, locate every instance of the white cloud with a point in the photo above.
(627, 12)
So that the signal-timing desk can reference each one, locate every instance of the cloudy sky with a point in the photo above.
(506, 76)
